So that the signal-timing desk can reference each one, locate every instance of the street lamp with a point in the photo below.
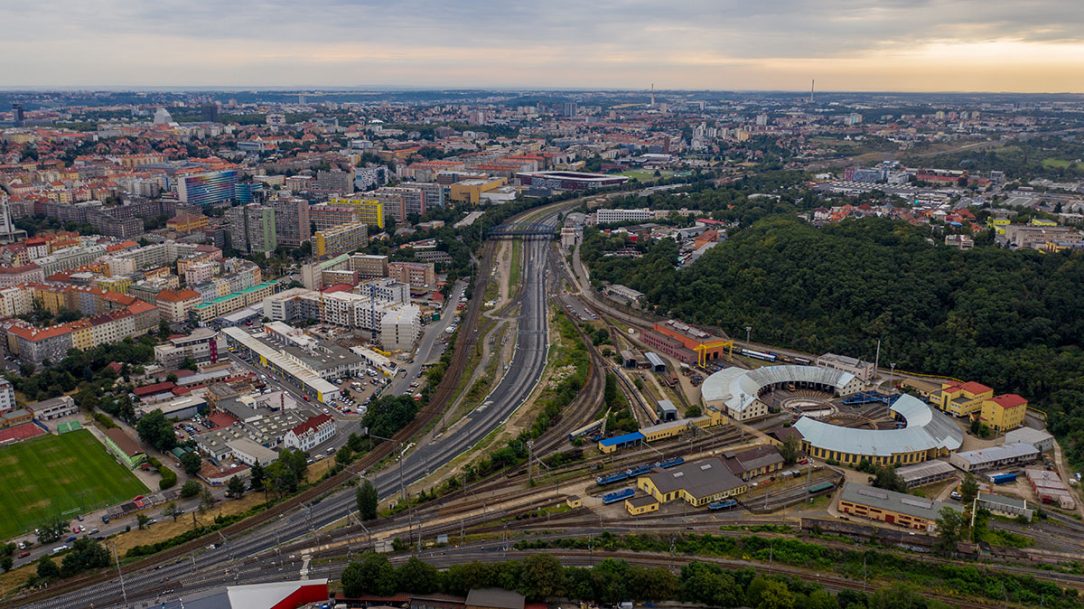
(748, 329)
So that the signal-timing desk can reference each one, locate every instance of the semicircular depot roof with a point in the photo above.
(926, 429)
(737, 388)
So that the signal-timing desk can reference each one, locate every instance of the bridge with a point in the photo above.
(524, 230)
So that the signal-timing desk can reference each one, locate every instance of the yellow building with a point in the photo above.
(1004, 412)
(82, 336)
(119, 285)
(641, 505)
(1042, 222)
(187, 223)
(998, 224)
(470, 191)
(962, 399)
(370, 211)
(696, 482)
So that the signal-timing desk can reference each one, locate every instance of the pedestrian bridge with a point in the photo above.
(523, 230)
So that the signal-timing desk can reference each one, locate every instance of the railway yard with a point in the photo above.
(586, 484)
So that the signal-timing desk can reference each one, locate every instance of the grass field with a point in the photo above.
(645, 175)
(59, 475)
(514, 269)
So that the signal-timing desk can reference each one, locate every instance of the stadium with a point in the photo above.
(837, 421)
(569, 180)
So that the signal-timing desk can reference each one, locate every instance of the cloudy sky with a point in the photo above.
(898, 45)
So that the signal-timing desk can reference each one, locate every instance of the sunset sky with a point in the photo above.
(897, 45)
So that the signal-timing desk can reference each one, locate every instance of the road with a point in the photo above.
(525, 370)
(431, 340)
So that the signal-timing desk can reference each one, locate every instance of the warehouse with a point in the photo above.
(921, 474)
(657, 363)
(927, 435)
(738, 391)
(641, 505)
(666, 411)
(890, 507)
(697, 482)
(995, 457)
(1041, 440)
(609, 445)
(1009, 507)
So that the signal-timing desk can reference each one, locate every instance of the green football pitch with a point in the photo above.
(62, 476)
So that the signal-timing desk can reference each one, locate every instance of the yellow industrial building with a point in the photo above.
(1004, 412)
(641, 505)
(697, 482)
(470, 191)
(975, 400)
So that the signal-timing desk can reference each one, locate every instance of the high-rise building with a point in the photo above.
(338, 182)
(207, 188)
(434, 193)
(340, 239)
(293, 225)
(401, 201)
(370, 210)
(252, 228)
(324, 216)
(20, 114)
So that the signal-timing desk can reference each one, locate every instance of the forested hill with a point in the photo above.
(1012, 320)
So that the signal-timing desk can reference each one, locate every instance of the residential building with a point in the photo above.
(310, 434)
(293, 226)
(369, 266)
(7, 395)
(340, 239)
(324, 216)
(337, 182)
(418, 275)
(400, 202)
(960, 242)
(890, 507)
(175, 305)
(252, 228)
(187, 223)
(234, 301)
(199, 346)
(400, 328)
(369, 210)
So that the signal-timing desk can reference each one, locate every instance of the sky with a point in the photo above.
(846, 45)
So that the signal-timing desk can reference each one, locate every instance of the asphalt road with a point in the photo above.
(524, 372)
(430, 344)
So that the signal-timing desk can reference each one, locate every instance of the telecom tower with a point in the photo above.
(812, 85)
(652, 95)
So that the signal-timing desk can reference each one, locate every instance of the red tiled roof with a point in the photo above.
(153, 389)
(141, 306)
(1009, 400)
(971, 387)
(312, 424)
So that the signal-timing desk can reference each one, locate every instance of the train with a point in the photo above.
(590, 429)
(631, 472)
(820, 487)
(725, 504)
(768, 357)
(616, 496)
(638, 470)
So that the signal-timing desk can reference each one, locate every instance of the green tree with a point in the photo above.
(416, 576)
(709, 584)
(370, 574)
(190, 489)
(367, 500)
(256, 477)
(821, 599)
(897, 596)
(768, 593)
(344, 456)
(206, 499)
(85, 554)
(51, 530)
(235, 488)
(969, 490)
(142, 520)
(790, 450)
(191, 462)
(155, 429)
(541, 577)
(950, 527)
(172, 510)
(47, 569)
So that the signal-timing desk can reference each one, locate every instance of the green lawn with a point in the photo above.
(645, 175)
(1055, 163)
(515, 269)
(59, 475)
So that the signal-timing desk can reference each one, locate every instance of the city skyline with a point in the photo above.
(846, 45)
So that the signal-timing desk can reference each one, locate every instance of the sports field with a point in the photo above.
(59, 475)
